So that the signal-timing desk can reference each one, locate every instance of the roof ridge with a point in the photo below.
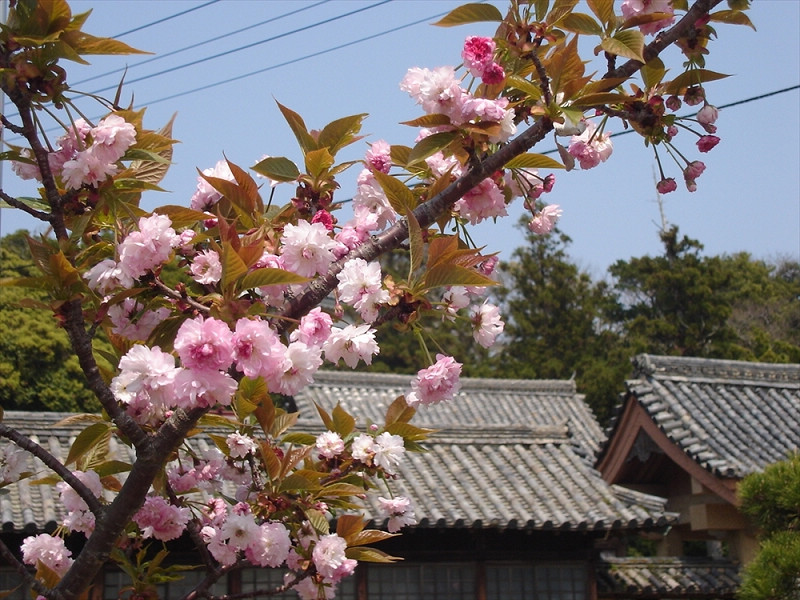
(663, 367)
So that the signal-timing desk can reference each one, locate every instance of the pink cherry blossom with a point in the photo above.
(132, 321)
(493, 74)
(438, 90)
(145, 383)
(591, 147)
(360, 285)
(351, 343)
(13, 462)
(147, 248)
(363, 447)
(107, 276)
(486, 324)
(329, 444)
(257, 349)
(635, 8)
(161, 520)
(388, 450)
(203, 388)
(694, 169)
(206, 268)
(270, 548)
(545, 220)
(437, 383)
(240, 445)
(484, 201)
(328, 555)
(303, 362)
(399, 512)
(205, 196)
(379, 156)
(204, 344)
(371, 207)
(314, 329)
(47, 549)
(307, 249)
(478, 54)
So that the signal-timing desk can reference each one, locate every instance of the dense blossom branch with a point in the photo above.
(52, 463)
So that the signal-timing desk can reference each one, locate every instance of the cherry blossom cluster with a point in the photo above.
(86, 155)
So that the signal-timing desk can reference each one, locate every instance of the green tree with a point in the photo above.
(772, 500)
(38, 369)
(684, 303)
(555, 327)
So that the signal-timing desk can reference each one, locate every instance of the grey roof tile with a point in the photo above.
(667, 577)
(732, 417)
(508, 454)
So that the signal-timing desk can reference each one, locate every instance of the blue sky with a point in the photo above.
(321, 64)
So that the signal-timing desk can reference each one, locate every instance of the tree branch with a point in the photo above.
(14, 203)
(665, 38)
(52, 463)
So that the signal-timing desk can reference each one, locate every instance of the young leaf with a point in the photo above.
(233, 269)
(318, 161)
(603, 9)
(653, 73)
(732, 17)
(341, 132)
(349, 526)
(270, 276)
(470, 13)
(449, 274)
(416, 244)
(343, 422)
(628, 44)
(399, 196)
(399, 411)
(689, 78)
(277, 168)
(364, 554)
(87, 440)
(431, 145)
(531, 160)
(299, 129)
(581, 23)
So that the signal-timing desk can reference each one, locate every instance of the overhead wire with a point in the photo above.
(165, 19)
(251, 45)
(198, 44)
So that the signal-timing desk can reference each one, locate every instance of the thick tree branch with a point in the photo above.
(665, 38)
(14, 203)
(426, 214)
(52, 463)
(150, 460)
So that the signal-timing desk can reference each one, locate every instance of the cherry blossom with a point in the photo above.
(437, 383)
(399, 512)
(307, 249)
(161, 520)
(48, 549)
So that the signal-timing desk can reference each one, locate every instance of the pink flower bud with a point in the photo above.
(694, 169)
(708, 115)
(673, 103)
(494, 73)
(549, 182)
(707, 142)
(667, 185)
(694, 95)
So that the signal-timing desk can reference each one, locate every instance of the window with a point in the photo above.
(541, 581)
(9, 579)
(421, 581)
(114, 582)
(258, 579)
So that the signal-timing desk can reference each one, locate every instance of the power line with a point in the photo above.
(198, 44)
(165, 19)
(248, 46)
(295, 60)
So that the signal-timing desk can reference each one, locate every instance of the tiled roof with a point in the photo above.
(667, 578)
(504, 457)
(732, 417)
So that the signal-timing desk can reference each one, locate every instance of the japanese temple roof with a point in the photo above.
(661, 578)
(508, 454)
(731, 417)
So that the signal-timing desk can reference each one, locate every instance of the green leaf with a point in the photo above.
(369, 536)
(653, 73)
(561, 8)
(399, 196)
(277, 168)
(87, 440)
(84, 43)
(689, 78)
(318, 521)
(603, 9)
(112, 467)
(470, 13)
(732, 17)
(628, 44)
(450, 274)
(399, 411)
(339, 133)
(409, 432)
(643, 19)
(599, 99)
(181, 216)
(326, 418)
(581, 23)
(299, 129)
(432, 120)
(153, 170)
(531, 160)
(431, 145)
(318, 161)
(270, 276)
(364, 554)
(299, 439)
(297, 482)
(233, 268)
(343, 422)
